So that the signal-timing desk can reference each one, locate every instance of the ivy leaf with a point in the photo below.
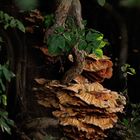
(101, 2)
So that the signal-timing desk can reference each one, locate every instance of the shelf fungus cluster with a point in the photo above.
(97, 69)
(85, 109)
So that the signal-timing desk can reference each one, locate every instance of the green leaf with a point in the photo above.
(3, 113)
(82, 45)
(73, 39)
(9, 21)
(96, 44)
(125, 122)
(123, 68)
(4, 100)
(54, 51)
(94, 36)
(12, 23)
(89, 36)
(132, 70)
(84, 22)
(89, 48)
(56, 44)
(67, 36)
(60, 29)
(60, 42)
(7, 74)
(4, 126)
(20, 26)
(48, 20)
(6, 17)
(101, 2)
(129, 73)
(98, 36)
(5, 122)
(2, 85)
(10, 122)
(102, 44)
(98, 52)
